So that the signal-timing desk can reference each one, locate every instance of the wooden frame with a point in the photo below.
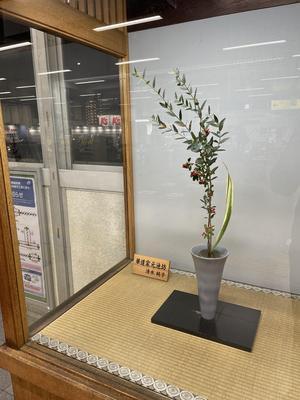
(12, 296)
(58, 18)
(36, 374)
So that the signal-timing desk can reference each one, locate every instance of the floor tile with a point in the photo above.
(9, 390)
(5, 380)
(5, 396)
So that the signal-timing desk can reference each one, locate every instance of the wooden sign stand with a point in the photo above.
(156, 268)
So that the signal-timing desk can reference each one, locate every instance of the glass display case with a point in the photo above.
(119, 152)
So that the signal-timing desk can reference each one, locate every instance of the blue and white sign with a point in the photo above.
(28, 230)
(22, 191)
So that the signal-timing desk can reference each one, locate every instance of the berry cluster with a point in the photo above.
(196, 174)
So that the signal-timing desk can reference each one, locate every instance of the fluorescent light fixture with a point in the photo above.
(15, 46)
(17, 97)
(142, 120)
(60, 71)
(88, 94)
(249, 89)
(128, 23)
(85, 83)
(206, 84)
(296, 55)
(2, 79)
(38, 98)
(138, 61)
(261, 95)
(139, 90)
(236, 63)
(141, 98)
(25, 87)
(281, 77)
(5, 92)
(243, 46)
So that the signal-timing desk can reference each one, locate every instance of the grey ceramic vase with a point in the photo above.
(209, 273)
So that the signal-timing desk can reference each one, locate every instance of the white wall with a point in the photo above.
(263, 153)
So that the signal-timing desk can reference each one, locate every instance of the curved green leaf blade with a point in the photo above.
(228, 210)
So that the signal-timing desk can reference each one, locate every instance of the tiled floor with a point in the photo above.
(5, 381)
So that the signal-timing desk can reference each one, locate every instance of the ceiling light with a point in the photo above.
(2, 79)
(88, 94)
(5, 92)
(141, 98)
(139, 90)
(54, 72)
(17, 97)
(249, 89)
(15, 46)
(206, 84)
(85, 83)
(38, 98)
(128, 23)
(25, 87)
(243, 46)
(261, 95)
(296, 55)
(138, 61)
(281, 77)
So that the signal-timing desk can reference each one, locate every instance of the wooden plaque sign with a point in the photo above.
(155, 268)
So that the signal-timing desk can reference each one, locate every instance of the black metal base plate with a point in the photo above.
(233, 325)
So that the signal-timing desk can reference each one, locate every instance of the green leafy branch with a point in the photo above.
(206, 139)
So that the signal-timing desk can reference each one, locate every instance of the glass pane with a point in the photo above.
(93, 97)
(64, 142)
(17, 95)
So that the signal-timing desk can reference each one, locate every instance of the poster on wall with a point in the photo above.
(27, 221)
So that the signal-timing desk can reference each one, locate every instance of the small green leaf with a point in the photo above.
(221, 124)
(203, 105)
(193, 136)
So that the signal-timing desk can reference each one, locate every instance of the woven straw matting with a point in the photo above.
(114, 322)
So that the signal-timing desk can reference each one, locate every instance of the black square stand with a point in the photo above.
(233, 325)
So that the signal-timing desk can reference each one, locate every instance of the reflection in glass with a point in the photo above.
(61, 110)
(93, 97)
(17, 88)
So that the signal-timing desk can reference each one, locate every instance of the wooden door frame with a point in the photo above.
(26, 362)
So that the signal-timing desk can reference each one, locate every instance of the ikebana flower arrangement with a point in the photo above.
(204, 137)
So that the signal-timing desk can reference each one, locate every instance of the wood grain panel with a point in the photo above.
(24, 390)
(99, 11)
(91, 8)
(121, 10)
(82, 6)
(112, 11)
(12, 297)
(127, 157)
(72, 3)
(105, 10)
(60, 19)
(65, 378)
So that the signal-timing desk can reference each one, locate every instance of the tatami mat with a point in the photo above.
(114, 322)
